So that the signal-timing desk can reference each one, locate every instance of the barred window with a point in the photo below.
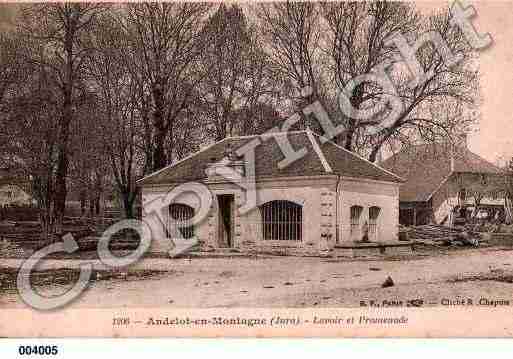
(179, 218)
(373, 221)
(356, 213)
(497, 194)
(282, 221)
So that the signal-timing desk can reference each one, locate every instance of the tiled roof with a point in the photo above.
(268, 154)
(346, 163)
(426, 166)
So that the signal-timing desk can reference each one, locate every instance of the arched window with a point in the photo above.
(282, 221)
(356, 213)
(373, 222)
(179, 217)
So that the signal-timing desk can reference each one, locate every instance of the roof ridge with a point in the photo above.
(360, 157)
(265, 134)
(324, 161)
(441, 143)
(317, 149)
(481, 158)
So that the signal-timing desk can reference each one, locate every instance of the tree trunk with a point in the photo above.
(62, 164)
(377, 147)
(374, 153)
(159, 155)
(348, 145)
(477, 205)
(356, 101)
(46, 218)
(97, 206)
(60, 192)
(128, 204)
(91, 207)
(82, 203)
(64, 128)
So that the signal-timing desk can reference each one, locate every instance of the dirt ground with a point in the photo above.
(294, 281)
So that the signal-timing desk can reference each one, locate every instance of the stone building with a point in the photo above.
(326, 196)
(444, 182)
(15, 187)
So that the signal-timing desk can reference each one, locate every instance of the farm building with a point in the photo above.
(446, 183)
(15, 187)
(327, 196)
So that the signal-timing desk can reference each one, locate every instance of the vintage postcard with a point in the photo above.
(256, 169)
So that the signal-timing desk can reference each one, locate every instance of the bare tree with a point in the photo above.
(165, 43)
(293, 44)
(12, 72)
(56, 31)
(235, 77)
(359, 42)
(118, 116)
(10, 63)
(325, 46)
(29, 121)
(88, 166)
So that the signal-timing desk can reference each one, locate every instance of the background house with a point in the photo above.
(441, 179)
(15, 187)
(329, 193)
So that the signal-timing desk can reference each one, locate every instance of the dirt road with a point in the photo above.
(295, 281)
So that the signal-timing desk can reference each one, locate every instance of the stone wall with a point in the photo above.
(320, 210)
(368, 194)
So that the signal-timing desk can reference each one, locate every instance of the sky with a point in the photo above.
(494, 138)
(496, 128)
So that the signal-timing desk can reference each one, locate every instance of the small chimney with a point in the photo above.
(231, 166)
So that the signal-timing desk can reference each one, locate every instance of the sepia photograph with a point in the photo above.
(256, 168)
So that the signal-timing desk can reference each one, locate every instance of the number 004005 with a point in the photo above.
(38, 350)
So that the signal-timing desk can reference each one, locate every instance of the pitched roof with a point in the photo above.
(321, 158)
(426, 166)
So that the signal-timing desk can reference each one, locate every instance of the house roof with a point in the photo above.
(427, 166)
(322, 158)
(12, 175)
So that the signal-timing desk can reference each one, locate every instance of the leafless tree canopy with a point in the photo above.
(95, 96)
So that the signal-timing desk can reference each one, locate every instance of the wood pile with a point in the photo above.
(91, 244)
(11, 250)
(432, 231)
(438, 234)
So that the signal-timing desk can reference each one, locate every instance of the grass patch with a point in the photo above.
(68, 276)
